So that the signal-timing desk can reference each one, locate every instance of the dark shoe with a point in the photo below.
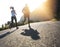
(17, 28)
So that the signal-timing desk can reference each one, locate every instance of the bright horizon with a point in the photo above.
(5, 14)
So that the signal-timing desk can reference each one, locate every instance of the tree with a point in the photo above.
(58, 10)
(2, 26)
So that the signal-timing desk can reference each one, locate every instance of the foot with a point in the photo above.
(17, 28)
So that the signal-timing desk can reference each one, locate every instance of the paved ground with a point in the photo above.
(41, 34)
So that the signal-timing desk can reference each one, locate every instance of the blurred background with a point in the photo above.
(40, 10)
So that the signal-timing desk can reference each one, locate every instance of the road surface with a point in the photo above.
(40, 34)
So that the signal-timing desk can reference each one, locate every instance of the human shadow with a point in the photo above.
(5, 34)
(31, 32)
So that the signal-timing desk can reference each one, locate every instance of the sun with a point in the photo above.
(33, 4)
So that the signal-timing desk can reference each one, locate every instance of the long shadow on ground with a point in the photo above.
(4, 35)
(31, 32)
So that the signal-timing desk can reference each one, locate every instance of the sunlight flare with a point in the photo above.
(33, 4)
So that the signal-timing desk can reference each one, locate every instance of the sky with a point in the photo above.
(5, 14)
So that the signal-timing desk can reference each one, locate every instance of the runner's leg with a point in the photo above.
(16, 22)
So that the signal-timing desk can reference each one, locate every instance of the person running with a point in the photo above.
(26, 13)
(13, 17)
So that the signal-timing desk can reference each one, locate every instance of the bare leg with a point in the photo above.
(29, 22)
